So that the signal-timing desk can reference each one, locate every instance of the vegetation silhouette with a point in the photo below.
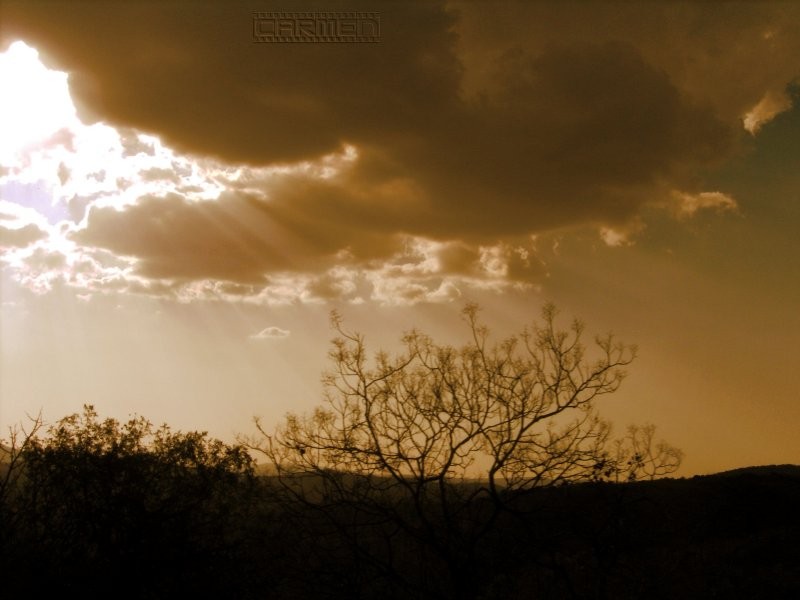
(479, 472)
(414, 458)
(97, 501)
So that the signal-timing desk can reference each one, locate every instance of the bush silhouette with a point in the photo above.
(98, 501)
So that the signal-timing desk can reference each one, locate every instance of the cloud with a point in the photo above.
(20, 226)
(271, 333)
(408, 170)
(771, 105)
(724, 57)
(565, 133)
(337, 283)
(20, 237)
(238, 238)
(623, 234)
(687, 205)
(45, 264)
(199, 70)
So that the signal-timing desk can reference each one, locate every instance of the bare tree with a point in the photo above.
(638, 456)
(433, 441)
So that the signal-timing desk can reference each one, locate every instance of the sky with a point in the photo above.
(182, 207)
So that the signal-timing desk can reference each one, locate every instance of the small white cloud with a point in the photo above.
(770, 105)
(688, 204)
(621, 235)
(271, 333)
(614, 237)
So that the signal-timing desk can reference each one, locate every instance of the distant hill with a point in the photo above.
(763, 470)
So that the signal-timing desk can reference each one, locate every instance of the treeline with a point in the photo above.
(101, 509)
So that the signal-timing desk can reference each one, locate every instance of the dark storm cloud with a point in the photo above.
(472, 125)
(190, 72)
(725, 55)
(577, 133)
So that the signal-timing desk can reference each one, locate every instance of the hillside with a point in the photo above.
(727, 535)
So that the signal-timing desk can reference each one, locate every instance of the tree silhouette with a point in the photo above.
(414, 457)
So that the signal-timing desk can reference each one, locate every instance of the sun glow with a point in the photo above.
(57, 169)
(35, 102)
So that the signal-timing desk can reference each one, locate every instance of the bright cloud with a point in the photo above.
(689, 204)
(34, 104)
(771, 104)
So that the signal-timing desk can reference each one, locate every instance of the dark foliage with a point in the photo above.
(103, 509)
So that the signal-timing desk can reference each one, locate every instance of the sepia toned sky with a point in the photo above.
(181, 208)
